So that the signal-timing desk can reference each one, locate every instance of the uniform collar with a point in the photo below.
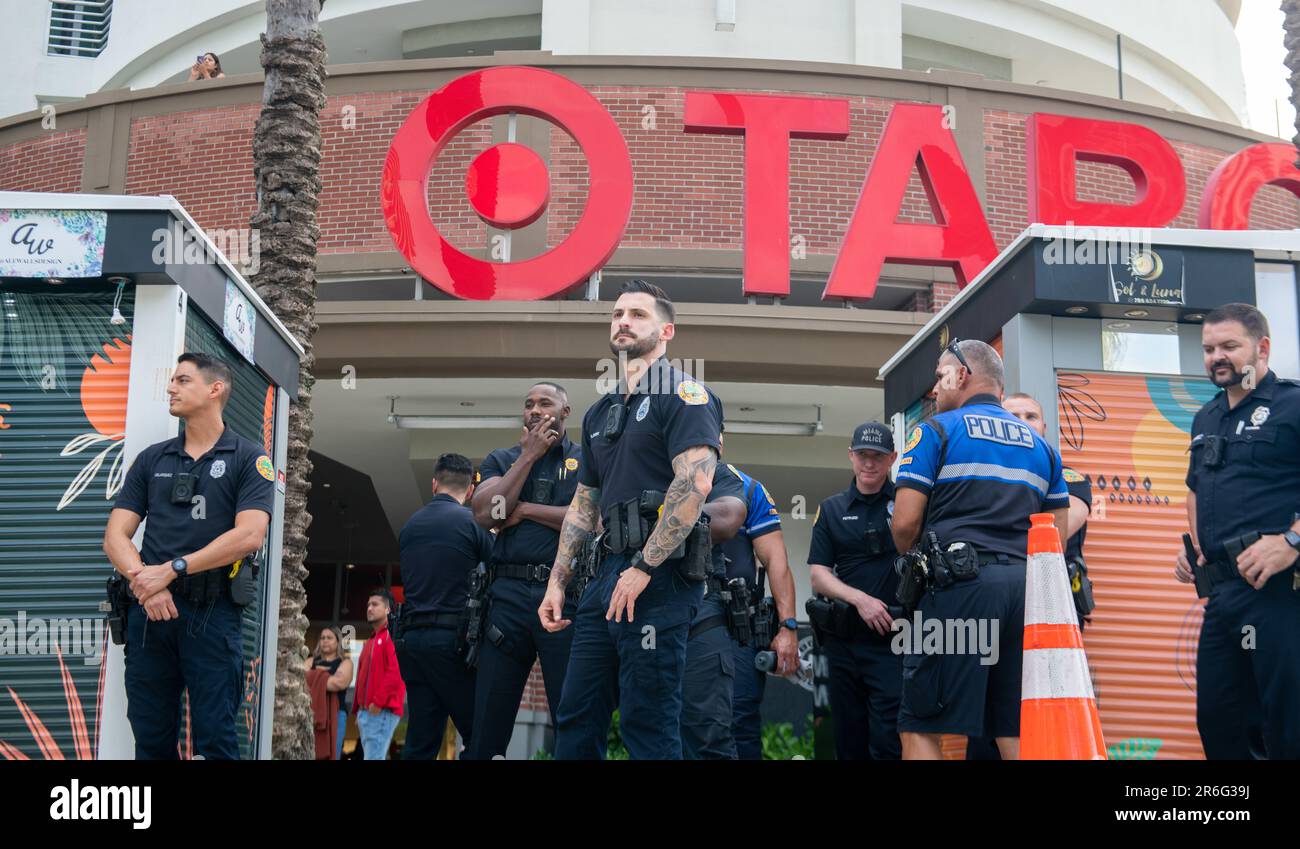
(225, 442)
(854, 493)
(1263, 391)
(982, 398)
(442, 496)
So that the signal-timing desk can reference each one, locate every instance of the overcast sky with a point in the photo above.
(1259, 29)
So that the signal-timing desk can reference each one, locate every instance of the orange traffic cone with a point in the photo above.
(1058, 712)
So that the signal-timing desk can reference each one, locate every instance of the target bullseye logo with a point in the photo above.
(507, 185)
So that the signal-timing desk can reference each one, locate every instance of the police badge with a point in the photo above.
(1259, 416)
(218, 468)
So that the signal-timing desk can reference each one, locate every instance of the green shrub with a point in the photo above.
(781, 744)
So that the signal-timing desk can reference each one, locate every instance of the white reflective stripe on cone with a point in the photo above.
(1055, 674)
(1048, 600)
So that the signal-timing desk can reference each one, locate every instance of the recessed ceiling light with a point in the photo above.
(747, 409)
(467, 403)
(1119, 325)
(1137, 313)
(1076, 310)
(1194, 316)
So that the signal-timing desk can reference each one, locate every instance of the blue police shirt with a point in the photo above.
(1257, 486)
(842, 539)
(996, 473)
(529, 541)
(669, 413)
(761, 517)
(441, 545)
(234, 475)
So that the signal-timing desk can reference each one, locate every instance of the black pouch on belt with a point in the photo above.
(694, 562)
(962, 560)
(819, 616)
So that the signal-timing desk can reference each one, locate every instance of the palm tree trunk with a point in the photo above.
(286, 161)
(1291, 39)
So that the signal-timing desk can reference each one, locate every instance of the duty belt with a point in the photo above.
(539, 572)
(412, 621)
(1219, 572)
(707, 624)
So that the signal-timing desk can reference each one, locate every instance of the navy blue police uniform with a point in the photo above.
(200, 650)
(514, 638)
(635, 665)
(707, 682)
(761, 518)
(991, 473)
(440, 545)
(1245, 472)
(851, 535)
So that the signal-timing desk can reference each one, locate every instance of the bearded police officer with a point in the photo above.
(208, 496)
(654, 440)
(440, 546)
(851, 560)
(970, 479)
(1244, 477)
(523, 495)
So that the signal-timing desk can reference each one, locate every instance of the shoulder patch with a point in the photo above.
(1071, 476)
(692, 393)
(913, 439)
(265, 467)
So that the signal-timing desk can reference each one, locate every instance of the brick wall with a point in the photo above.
(689, 187)
(47, 163)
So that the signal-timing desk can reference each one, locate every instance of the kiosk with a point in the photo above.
(1102, 326)
(98, 296)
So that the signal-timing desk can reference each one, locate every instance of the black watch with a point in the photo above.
(791, 623)
(179, 565)
(1292, 539)
(638, 562)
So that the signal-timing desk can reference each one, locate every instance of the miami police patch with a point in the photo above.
(913, 439)
(1071, 476)
(692, 393)
(265, 467)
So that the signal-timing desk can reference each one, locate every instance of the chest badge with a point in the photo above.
(218, 468)
(643, 410)
(1259, 416)
(572, 464)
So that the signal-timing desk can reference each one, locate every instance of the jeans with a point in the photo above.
(343, 729)
(376, 732)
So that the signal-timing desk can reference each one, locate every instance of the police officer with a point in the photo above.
(708, 681)
(972, 475)
(1028, 410)
(851, 560)
(524, 493)
(440, 546)
(1244, 482)
(208, 495)
(657, 432)
(760, 541)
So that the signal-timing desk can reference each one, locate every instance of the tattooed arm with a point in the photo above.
(692, 481)
(580, 520)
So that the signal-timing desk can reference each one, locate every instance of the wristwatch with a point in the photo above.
(179, 566)
(1292, 539)
(638, 562)
(791, 623)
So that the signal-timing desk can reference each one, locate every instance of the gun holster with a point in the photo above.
(116, 606)
(913, 575)
(470, 637)
(243, 579)
(735, 599)
(835, 618)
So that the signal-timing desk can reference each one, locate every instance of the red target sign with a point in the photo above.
(507, 185)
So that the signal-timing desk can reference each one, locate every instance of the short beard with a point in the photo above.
(639, 348)
(1235, 378)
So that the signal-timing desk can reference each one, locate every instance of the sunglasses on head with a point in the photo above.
(956, 352)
